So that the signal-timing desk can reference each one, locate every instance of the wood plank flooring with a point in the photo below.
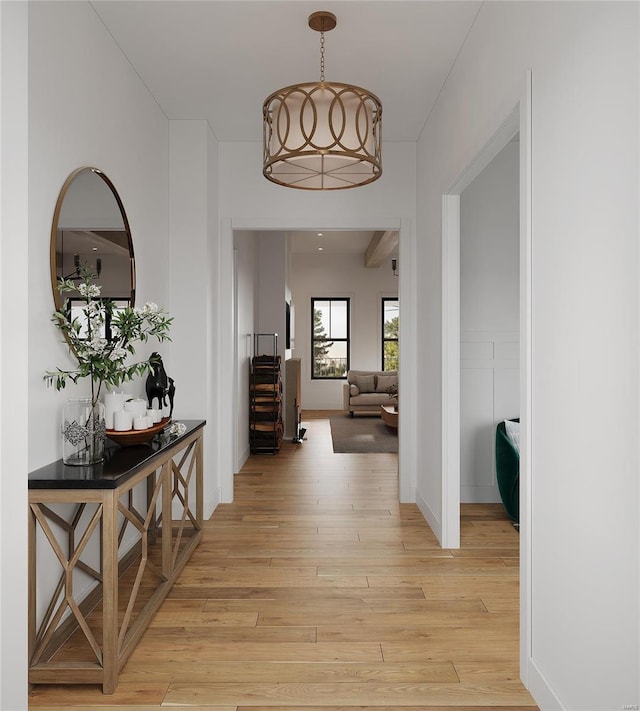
(316, 590)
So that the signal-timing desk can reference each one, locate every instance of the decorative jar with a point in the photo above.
(83, 428)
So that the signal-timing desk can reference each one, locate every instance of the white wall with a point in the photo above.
(248, 198)
(193, 170)
(75, 71)
(246, 249)
(339, 275)
(584, 483)
(14, 318)
(489, 319)
(272, 282)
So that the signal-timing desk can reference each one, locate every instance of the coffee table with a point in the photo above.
(389, 416)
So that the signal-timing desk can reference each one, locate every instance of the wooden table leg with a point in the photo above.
(153, 523)
(199, 482)
(32, 568)
(167, 515)
(110, 591)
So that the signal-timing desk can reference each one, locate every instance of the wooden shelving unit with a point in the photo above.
(265, 396)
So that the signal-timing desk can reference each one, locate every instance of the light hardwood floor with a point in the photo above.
(316, 590)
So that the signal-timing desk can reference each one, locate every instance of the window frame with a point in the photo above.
(111, 306)
(347, 340)
(384, 340)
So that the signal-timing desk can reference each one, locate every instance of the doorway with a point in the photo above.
(406, 463)
(518, 121)
(489, 321)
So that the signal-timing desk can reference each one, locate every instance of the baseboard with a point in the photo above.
(541, 690)
(210, 505)
(244, 455)
(433, 521)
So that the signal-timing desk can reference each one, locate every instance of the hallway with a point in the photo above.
(315, 589)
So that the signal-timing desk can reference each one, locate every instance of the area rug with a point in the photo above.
(362, 435)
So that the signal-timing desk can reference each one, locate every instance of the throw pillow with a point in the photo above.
(366, 383)
(354, 390)
(385, 382)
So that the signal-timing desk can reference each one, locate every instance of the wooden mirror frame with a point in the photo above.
(57, 297)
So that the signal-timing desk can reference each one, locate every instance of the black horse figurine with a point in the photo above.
(159, 384)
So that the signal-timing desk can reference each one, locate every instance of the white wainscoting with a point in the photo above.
(489, 393)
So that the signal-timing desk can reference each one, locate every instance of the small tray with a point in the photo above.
(127, 438)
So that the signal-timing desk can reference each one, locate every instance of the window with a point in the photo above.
(76, 309)
(390, 313)
(330, 338)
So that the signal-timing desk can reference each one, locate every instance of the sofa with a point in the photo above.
(508, 466)
(366, 390)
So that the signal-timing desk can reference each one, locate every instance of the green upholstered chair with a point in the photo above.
(508, 471)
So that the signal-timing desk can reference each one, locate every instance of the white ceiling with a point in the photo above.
(219, 59)
(333, 242)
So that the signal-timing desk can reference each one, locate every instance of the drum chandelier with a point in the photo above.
(322, 135)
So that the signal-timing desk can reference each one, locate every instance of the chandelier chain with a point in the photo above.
(322, 57)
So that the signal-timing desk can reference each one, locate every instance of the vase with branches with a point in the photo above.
(104, 361)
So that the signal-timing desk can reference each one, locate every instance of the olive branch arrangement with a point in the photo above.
(100, 359)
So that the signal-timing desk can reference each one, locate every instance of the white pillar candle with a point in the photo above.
(122, 420)
(155, 415)
(113, 401)
(140, 422)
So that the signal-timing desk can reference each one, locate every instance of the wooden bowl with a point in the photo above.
(127, 438)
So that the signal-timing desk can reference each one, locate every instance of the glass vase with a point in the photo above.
(83, 429)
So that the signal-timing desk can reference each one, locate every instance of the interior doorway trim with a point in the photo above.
(451, 327)
(518, 119)
(227, 429)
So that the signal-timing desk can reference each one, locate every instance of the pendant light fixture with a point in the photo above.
(322, 135)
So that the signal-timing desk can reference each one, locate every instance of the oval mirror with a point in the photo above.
(90, 229)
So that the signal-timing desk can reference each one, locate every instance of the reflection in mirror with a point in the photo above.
(90, 229)
(76, 311)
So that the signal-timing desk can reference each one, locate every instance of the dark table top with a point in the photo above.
(119, 465)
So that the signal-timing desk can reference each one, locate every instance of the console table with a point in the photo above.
(84, 519)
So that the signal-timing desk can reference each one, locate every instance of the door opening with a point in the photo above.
(517, 122)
